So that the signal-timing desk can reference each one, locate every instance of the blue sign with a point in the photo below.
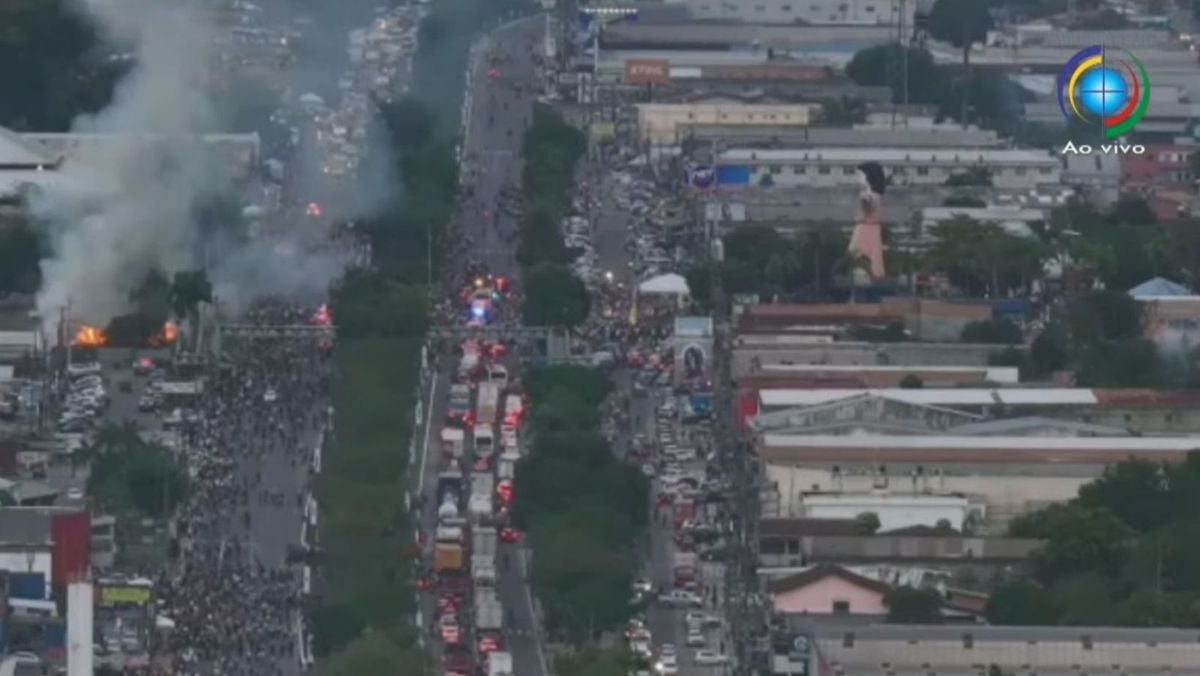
(733, 175)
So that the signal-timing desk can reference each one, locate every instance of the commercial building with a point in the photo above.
(829, 167)
(811, 12)
(879, 376)
(895, 510)
(1159, 166)
(790, 542)
(949, 451)
(661, 123)
(878, 135)
(790, 349)
(942, 650)
(52, 543)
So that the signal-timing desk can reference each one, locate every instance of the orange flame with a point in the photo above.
(167, 336)
(90, 336)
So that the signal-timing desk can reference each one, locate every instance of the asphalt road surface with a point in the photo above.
(499, 108)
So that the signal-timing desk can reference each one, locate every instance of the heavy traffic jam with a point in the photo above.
(480, 444)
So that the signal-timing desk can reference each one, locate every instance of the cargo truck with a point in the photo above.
(685, 567)
(483, 571)
(483, 542)
(447, 557)
(452, 443)
(489, 615)
(480, 507)
(499, 664)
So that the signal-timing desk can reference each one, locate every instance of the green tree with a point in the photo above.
(554, 296)
(1104, 316)
(375, 653)
(190, 288)
(129, 475)
(1136, 491)
(908, 605)
(1077, 539)
(867, 523)
(334, 626)
(1131, 210)
(367, 303)
(843, 111)
(1048, 351)
(927, 84)
(1021, 602)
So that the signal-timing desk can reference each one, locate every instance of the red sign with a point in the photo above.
(647, 71)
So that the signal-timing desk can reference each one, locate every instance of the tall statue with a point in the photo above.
(867, 238)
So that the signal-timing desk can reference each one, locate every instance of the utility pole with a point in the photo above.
(897, 70)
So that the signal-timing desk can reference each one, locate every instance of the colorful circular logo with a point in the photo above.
(1106, 87)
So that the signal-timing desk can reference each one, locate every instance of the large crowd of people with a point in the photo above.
(234, 597)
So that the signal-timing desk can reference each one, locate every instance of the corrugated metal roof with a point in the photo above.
(936, 396)
(986, 633)
(889, 442)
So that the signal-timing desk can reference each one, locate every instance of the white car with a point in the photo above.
(681, 597)
(643, 586)
(270, 395)
(709, 657)
(694, 618)
(667, 665)
(695, 639)
(74, 493)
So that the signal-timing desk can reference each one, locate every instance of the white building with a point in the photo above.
(1006, 496)
(895, 510)
(812, 12)
(829, 167)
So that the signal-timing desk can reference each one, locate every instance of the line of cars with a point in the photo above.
(86, 397)
(688, 489)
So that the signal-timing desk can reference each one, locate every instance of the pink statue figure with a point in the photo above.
(867, 238)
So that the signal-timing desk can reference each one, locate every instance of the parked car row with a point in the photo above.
(85, 399)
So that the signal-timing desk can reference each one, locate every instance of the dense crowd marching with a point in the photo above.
(234, 612)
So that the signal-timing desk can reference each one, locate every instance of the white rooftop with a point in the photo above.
(998, 374)
(1048, 396)
(891, 155)
(885, 442)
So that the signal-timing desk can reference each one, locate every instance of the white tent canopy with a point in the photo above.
(670, 284)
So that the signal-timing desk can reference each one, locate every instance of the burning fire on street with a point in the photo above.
(167, 336)
(90, 336)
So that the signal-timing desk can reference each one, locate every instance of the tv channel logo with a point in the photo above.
(1105, 87)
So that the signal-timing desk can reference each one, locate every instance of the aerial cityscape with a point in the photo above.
(600, 337)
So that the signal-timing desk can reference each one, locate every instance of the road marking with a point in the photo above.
(428, 424)
(533, 618)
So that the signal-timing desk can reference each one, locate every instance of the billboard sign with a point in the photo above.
(647, 71)
(124, 596)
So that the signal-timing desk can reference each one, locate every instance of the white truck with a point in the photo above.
(489, 615)
(483, 571)
(452, 442)
(499, 664)
(483, 542)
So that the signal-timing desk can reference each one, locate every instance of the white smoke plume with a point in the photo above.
(125, 204)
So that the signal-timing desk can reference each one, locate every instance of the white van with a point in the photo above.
(485, 441)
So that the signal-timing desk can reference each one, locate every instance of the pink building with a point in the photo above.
(827, 589)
